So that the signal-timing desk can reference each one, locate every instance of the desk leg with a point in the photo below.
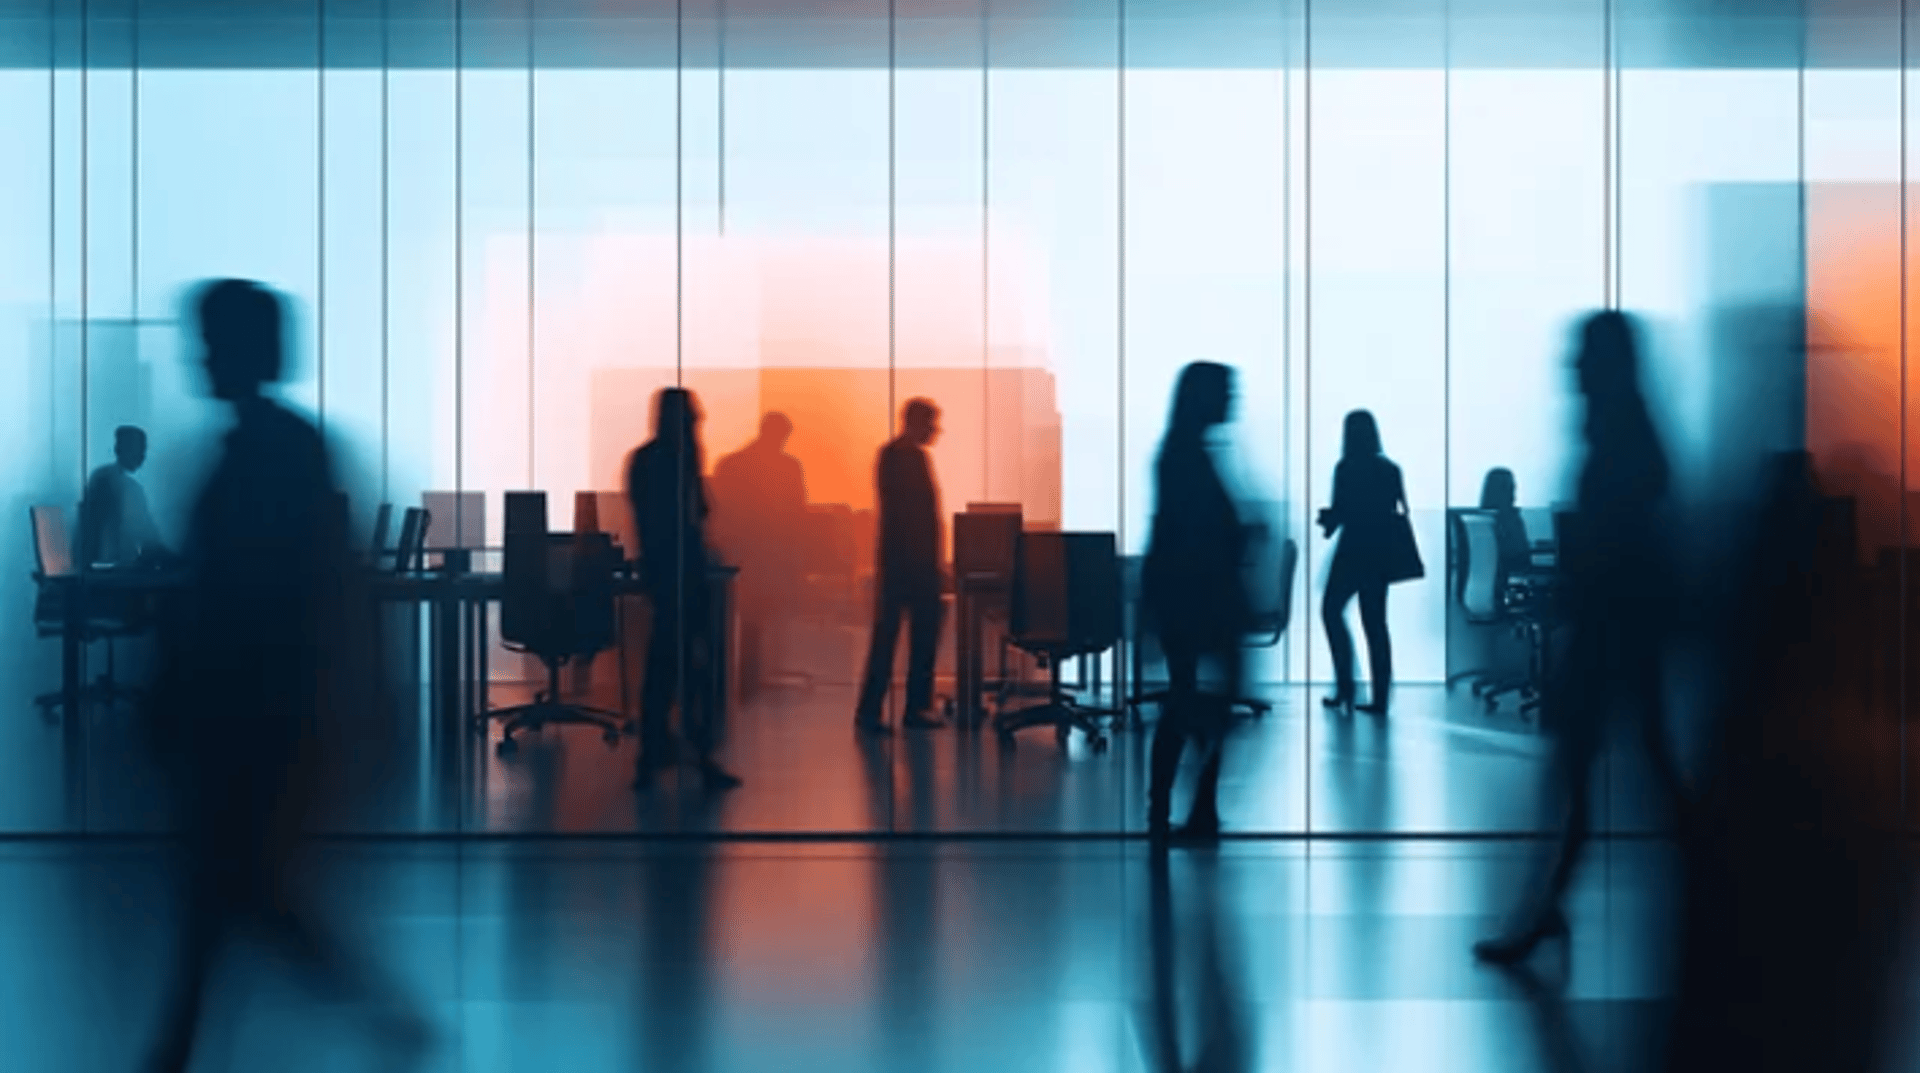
(972, 663)
(74, 713)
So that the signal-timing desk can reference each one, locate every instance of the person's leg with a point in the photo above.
(1373, 619)
(1205, 812)
(698, 700)
(929, 612)
(879, 675)
(1170, 733)
(1333, 616)
(664, 657)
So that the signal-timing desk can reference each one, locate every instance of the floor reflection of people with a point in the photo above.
(1615, 584)
(1369, 499)
(251, 654)
(1196, 597)
(678, 989)
(1223, 1046)
(910, 580)
(666, 490)
(760, 510)
(116, 528)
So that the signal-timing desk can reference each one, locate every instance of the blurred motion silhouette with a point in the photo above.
(667, 492)
(1500, 493)
(910, 580)
(258, 653)
(1376, 549)
(760, 512)
(116, 528)
(1223, 1044)
(1615, 590)
(1195, 597)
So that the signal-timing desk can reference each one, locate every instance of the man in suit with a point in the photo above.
(910, 579)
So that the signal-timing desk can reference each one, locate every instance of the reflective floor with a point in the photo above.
(908, 956)
(1440, 764)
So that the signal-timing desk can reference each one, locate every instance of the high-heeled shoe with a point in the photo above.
(1338, 703)
(1513, 949)
(1201, 830)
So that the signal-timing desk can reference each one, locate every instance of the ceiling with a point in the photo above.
(953, 33)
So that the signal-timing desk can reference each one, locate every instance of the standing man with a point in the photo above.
(910, 579)
(116, 528)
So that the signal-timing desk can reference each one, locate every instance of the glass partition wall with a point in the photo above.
(501, 228)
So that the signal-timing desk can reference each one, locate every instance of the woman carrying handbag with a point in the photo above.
(1376, 549)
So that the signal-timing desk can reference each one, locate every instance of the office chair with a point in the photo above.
(1486, 599)
(986, 552)
(382, 521)
(54, 580)
(558, 608)
(410, 553)
(1066, 604)
(1269, 626)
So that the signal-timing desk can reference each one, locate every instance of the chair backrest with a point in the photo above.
(409, 553)
(1289, 569)
(1067, 592)
(52, 548)
(986, 544)
(382, 521)
(559, 601)
(1476, 563)
(524, 568)
(455, 519)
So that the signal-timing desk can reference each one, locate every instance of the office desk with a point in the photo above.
(457, 628)
(972, 595)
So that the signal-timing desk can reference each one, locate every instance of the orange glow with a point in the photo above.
(1854, 364)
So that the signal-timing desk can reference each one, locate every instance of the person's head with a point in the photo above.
(241, 324)
(676, 417)
(920, 422)
(1360, 435)
(1202, 398)
(775, 428)
(1608, 363)
(130, 447)
(1499, 491)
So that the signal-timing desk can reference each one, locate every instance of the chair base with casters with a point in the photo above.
(547, 708)
(1059, 711)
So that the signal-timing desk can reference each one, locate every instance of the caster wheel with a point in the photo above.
(1493, 705)
(1006, 739)
(1100, 745)
(611, 737)
(1060, 736)
(507, 747)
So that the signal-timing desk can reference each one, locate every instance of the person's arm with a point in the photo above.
(1400, 491)
(143, 536)
(1334, 516)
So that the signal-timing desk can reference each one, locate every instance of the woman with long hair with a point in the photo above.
(669, 500)
(1369, 503)
(1195, 595)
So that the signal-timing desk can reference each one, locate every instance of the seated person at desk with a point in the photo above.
(116, 529)
(1500, 493)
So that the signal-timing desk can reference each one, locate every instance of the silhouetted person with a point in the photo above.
(1369, 503)
(116, 528)
(1614, 585)
(1500, 493)
(667, 492)
(253, 656)
(760, 494)
(910, 580)
(1196, 597)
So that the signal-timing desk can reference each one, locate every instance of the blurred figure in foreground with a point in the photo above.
(1376, 550)
(669, 499)
(910, 580)
(1196, 598)
(258, 653)
(760, 492)
(1615, 589)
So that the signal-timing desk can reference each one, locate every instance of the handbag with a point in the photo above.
(1400, 555)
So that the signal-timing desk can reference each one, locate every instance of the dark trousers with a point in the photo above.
(1607, 663)
(678, 667)
(925, 612)
(1343, 586)
(1192, 717)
